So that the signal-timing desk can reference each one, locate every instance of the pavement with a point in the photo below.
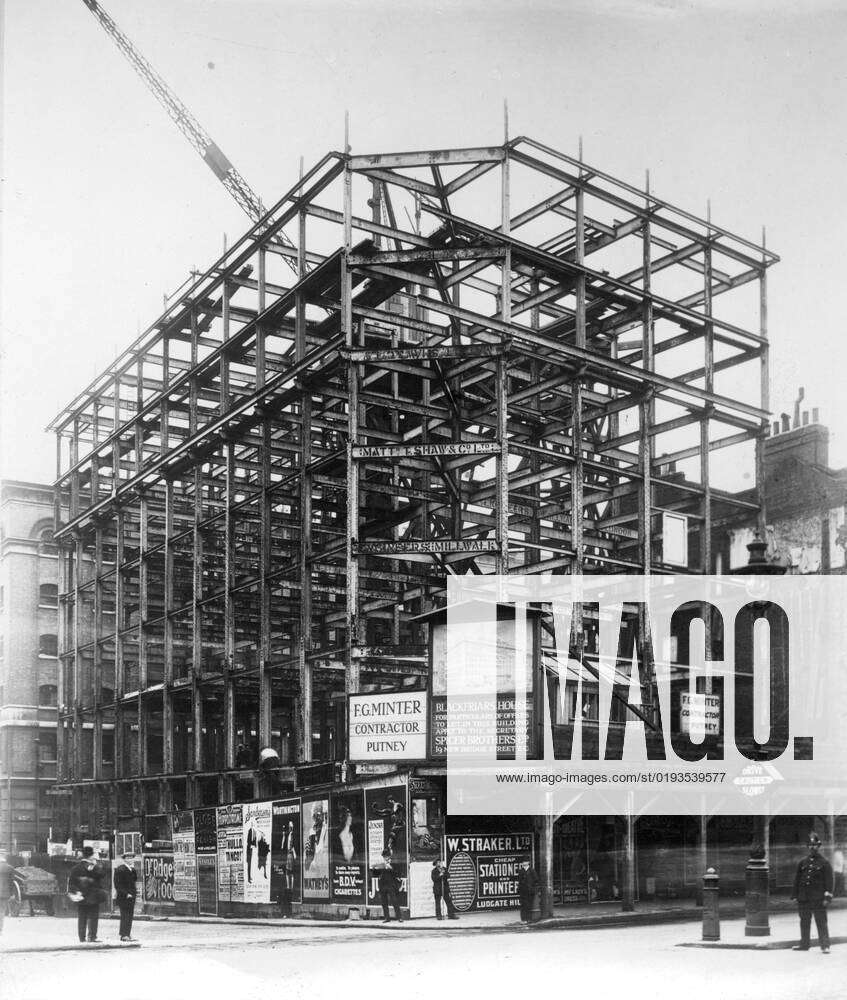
(27, 934)
(223, 961)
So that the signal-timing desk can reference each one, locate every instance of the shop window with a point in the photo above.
(48, 595)
(48, 645)
(48, 696)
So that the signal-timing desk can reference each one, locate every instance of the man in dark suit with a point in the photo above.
(389, 888)
(125, 893)
(85, 883)
(813, 892)
(528, 883)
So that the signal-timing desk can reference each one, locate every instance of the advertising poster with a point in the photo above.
(256, 837)
(206, 831)
(315, 820)
(158, 878)
(387, 821)
(207, 885)
(286, 850)
(571, 860)
(230, 854)
(426, 827)
(185, 859)
(483, 870)
(348, 860)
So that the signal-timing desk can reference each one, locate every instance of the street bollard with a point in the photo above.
(756, 901)
(711, 906)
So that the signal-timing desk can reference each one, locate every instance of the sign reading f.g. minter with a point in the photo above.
(388, 727)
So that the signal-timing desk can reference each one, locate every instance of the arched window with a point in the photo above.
(48, 645)
(48, 695)
(48, 595)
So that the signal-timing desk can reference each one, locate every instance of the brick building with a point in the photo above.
(28, 663)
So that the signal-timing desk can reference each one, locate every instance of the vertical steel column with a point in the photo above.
(229, 611)
(265, 686)
(501, 512)
(197, 565)
(77, 659)
(167, 687)
(143, 606)
(120, 678)
(97, 700)
(646, 405)
(74, 458)
(352, 666)
(765, 393)
(61, 668)
(709, 385)
(578, 470)
(116, 443)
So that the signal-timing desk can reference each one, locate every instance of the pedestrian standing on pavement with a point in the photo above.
(441, 890)
(389, 888)
(528, 883)
(5, 887)
(85, 888)
(813, 892)
(125, 894)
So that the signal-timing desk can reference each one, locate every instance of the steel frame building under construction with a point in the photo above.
(490, 360)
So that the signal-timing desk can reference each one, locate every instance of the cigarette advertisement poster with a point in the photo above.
(185, 859)
(482, 870)
(230, 853)
(286, 850)
(206, 831)
(158, 878)
(315, 819)
(348, 862)
(386, 813)
(256, 837)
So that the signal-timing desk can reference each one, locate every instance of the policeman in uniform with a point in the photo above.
(813, 892)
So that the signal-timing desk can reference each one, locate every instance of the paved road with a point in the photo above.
(243, 963)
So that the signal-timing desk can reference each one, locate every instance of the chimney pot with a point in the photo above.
(786, 422)
(805, 417)
(815, 416)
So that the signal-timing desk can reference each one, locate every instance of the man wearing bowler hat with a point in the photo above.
(813, 892)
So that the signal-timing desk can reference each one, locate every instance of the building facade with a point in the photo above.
(262, 498)
(29, 559)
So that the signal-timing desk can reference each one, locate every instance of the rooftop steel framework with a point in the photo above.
(266, 487)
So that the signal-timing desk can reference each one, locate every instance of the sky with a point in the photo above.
(106, 207)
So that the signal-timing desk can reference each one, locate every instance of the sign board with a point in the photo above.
(482, 870)
(700, 714)
(675, 539)
(464, 729)
(448, 449)
(387, 727)
(441, 546)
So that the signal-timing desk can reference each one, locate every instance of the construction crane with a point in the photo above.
(217, 161)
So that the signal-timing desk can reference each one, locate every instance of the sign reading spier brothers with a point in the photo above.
(388, 727)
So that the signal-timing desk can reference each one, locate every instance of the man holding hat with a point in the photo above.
(813, 892)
